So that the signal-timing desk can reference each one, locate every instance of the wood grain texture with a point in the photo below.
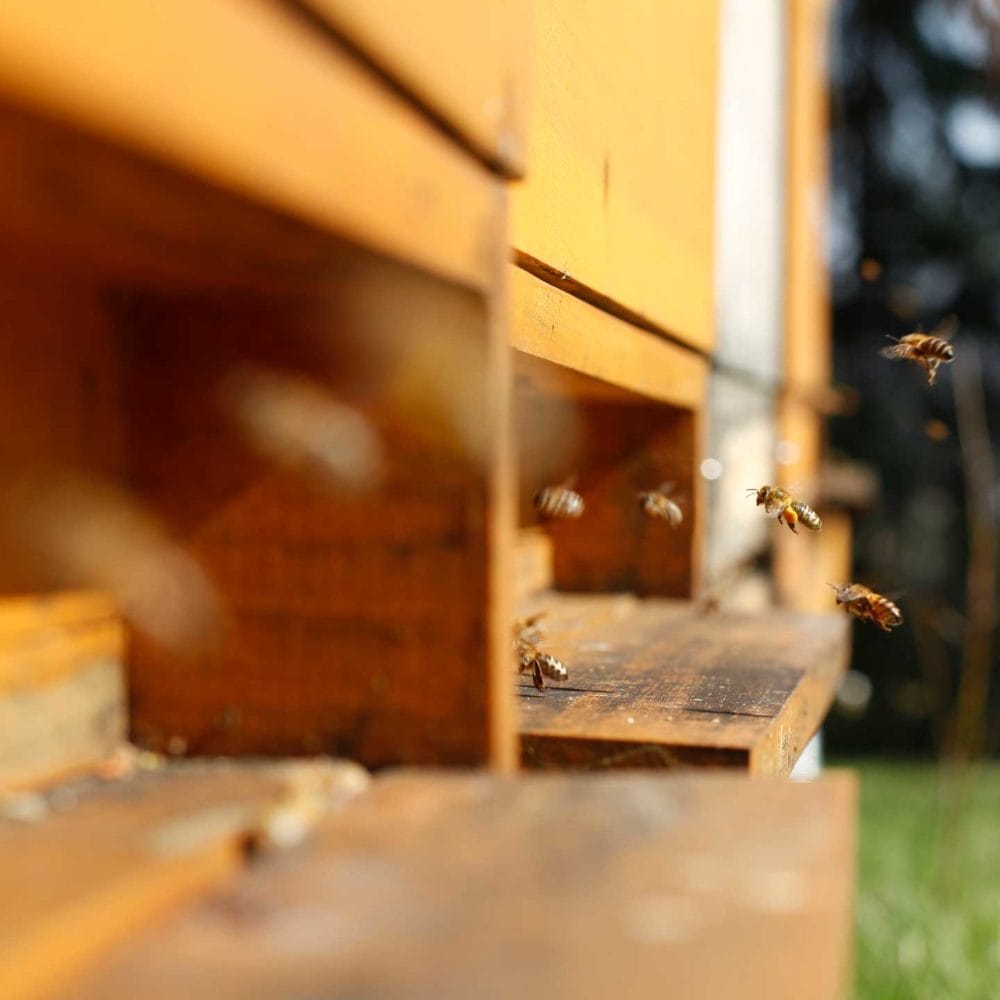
(268, 109)
(62, 686)
(557, 327)
(464, 63)
(373, 626)
(455, 886)
(622, 448)
(119, 854)
(621, 129)
(532, 562)
(663, 683)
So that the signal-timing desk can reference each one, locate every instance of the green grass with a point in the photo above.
(928, 912)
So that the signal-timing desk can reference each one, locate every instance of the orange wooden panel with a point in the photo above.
(246, 95)
(620, 194)
(807, 307)
(464, 62)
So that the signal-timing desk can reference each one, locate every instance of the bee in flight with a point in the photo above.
(781, 504)
(656, 503)
(559, 501)
(528, 633)
(931, 350)
(864, 604)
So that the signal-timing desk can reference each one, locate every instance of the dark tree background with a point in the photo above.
(914, 237)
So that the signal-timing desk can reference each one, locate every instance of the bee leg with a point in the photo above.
(932, 369)
(790, 517)
(537, 676)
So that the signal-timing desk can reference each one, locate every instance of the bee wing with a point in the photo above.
(665, 488)
(946, 328)
(895, 351)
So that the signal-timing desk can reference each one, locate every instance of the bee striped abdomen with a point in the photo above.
(884, 613)
(807, 515)
(557, 501)
(935, 347)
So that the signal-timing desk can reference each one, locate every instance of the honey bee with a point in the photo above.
(864, 604)
(542, 665)
(656, 503)
(930, 350)
(559, 501)
(779, 503)
(528, 633)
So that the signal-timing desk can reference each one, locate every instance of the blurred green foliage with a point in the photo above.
(928, 909)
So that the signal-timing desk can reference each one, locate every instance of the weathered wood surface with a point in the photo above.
(659, 683)
(555, 326)
(465, 64)
(249, 97)
(697, 886)
(62, 685)
(619, 199)
(103, 859)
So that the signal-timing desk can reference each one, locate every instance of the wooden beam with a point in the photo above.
(548, 886)
(464, 64)
(62, 688)
(248, 97)
(660, 683)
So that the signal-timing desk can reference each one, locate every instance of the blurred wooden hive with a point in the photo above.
(491, 236)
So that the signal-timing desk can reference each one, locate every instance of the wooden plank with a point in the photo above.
(116, 855)
(808, 351)
(807, 314)
(548, 886)
(665, 684)
(462, 63)
(552, 325)
(62, 689)
(268, 109)
(374, 625)
(617, 449)
(619, 199)
(532, 562)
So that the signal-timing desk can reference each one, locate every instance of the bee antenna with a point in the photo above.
(836, 586)
(889, 336)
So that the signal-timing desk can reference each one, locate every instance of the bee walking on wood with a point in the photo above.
(930, 350)
(656, 503)
(863, 603)
(528, 633)
(559, 501)
(779, 503)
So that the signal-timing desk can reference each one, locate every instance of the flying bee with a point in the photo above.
(930, 350)
(656, 503)
(779, 503)
(864, 604)
(559, 501)
(542, 665)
